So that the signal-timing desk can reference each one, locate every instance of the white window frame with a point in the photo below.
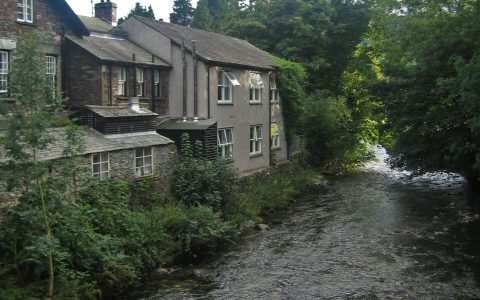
(256, 87)
(144, 168)
(51, 72)
(256, 138)
(103, 164)
(225, 145)
(122, 81)
(25, 11)
(274, 95)
(156, 79)
(4, 69)
(140, 82)
(226, 82)
(275, 136)
(225, 88)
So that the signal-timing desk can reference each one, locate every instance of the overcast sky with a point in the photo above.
(161, 8)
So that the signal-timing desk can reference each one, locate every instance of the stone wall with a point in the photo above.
(161, 102)
(82, 81)
(46, 19)
(122, 166)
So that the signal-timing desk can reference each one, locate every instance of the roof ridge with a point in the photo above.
(190, 28)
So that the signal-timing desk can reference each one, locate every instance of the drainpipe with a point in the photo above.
(110, 88)
(134, 77)
(208, 92)
(195, 83)
(184, 62)
(152, 90)
(270, 123)
(63, 59)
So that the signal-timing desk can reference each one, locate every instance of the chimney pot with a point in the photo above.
(106, 11)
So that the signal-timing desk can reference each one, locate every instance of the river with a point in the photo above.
(376, 234)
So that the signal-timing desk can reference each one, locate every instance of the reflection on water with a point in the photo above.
(376, 234)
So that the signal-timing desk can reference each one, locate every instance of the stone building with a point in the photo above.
(51, 19)
(111, 84)
(119, 142)
(107, 69)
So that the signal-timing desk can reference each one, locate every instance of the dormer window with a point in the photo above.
(25, 11)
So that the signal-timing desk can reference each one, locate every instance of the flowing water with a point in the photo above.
(376, 234)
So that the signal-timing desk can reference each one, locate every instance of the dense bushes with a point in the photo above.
(113, 231)
(275, 190)
(103, 242)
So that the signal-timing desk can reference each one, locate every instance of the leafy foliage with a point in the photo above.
(198, 181)
(139, 10)
(182, 12)
(291, 80)
(430, 61)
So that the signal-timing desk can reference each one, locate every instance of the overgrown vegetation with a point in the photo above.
(107, 236)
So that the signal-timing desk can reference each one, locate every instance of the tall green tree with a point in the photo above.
(215, 15)
(321, 35)
(430, 58)
(27, 134)
(182, 12)
(139, 10)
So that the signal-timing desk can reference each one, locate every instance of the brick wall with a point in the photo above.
(82, 80)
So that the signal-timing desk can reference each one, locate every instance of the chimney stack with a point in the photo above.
(106, 11)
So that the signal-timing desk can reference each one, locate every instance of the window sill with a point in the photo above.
(224, 103)
(255, 102)
(26, 23)
(276, 148)
(253, 155)
(7, 99)
(144, 176)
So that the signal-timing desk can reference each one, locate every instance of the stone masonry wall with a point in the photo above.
(83, 82)
(161, 102)
(46, 19)
(122, 166)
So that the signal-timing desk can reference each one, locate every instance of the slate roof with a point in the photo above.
(116, 49)
(214, 47)
(70, 16)
(119, 111)
(96, 24)
(95, 142)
